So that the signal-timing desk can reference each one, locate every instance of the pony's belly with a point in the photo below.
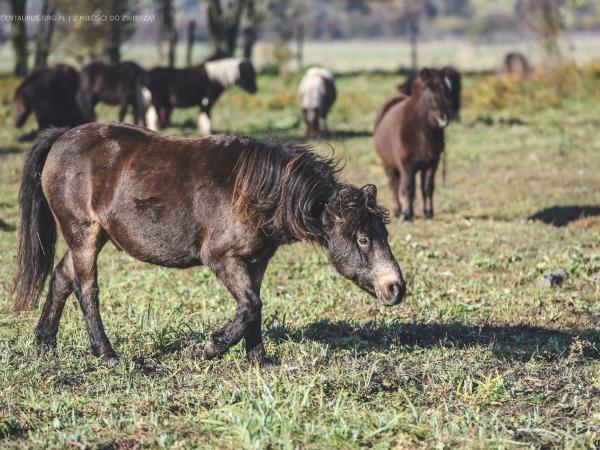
(165, 238)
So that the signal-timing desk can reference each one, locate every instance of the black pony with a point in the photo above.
(50, 93)
(116, 84)
(225, 201)
(197, 86)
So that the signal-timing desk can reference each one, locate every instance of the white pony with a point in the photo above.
(317, 95)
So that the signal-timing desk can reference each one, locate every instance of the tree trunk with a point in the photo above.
(167, 33)
(115, 30)
(44, 34)
(224, 25)
(414, 38)
(250, 33)
(18, 33)
(299, 45)
(190, 42)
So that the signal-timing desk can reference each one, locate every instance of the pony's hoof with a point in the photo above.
(428, 214)
(210, 351)
(111, 361)
(407, 218)
(45, 343)
(257, 355)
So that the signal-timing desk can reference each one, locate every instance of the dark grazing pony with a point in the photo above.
(226, 201)
(452, 80)
(409, 138)
(116, 84)
(517, 65)
(50, 93)
(197, 86)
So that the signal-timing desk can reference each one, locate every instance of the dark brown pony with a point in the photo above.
(517, 65)
(227, 202)
(116, 84)
(198, 86)
(409, 138)
(453, 86)
(50, 93)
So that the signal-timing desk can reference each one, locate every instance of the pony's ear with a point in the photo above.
(370, 193)
(426, 75)
(345, 195)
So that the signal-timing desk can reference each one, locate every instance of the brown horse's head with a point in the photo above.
(358, 246)
(432, 96)
(21, 109)
(247, 79)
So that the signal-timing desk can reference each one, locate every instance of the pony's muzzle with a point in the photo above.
(392, 293)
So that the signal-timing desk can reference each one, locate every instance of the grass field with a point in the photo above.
(478, 356)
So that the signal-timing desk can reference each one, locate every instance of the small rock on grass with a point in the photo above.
(552, 279)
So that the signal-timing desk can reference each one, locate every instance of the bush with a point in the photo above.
(542, 90)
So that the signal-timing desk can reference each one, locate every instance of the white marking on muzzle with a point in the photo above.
(442, 121)
(204, 124)
(448, 83)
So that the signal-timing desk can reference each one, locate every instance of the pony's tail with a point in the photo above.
(37, 230)
(444, 168)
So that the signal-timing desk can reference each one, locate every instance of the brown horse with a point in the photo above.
(517, 65)
(409, 137)
(115, 84)
(227, 202)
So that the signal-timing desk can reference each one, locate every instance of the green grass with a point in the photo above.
(478, 355)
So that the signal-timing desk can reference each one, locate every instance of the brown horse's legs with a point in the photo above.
(427, 187)
(123, 112)
(407, 194)
(85, 256)
(243, 282)
(393, 176)
(61, 287)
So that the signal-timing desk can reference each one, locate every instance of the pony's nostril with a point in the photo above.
(396, 291)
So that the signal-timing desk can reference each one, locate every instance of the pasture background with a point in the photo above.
(478, 355)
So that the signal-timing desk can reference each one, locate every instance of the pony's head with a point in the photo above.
(247, 78)
(431, 91)
(357, 242)
(21, 108)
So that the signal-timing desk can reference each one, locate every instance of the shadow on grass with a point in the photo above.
(6, 226)
(515, 342)
(10, 150)
(559, 216)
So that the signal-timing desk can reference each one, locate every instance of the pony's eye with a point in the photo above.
(363, 241)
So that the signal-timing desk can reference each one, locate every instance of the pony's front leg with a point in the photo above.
(243, 281)
(204, 124)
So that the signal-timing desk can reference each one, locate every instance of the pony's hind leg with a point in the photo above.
(123, 111)
(85, 256)
(61, 287)
(427, 187)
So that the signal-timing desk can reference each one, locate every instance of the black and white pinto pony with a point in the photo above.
(115, 84)
(317, 95)
(200, 86)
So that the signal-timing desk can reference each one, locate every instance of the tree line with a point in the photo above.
(234, 26)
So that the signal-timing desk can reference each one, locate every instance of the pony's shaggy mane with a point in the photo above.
(285, 189)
